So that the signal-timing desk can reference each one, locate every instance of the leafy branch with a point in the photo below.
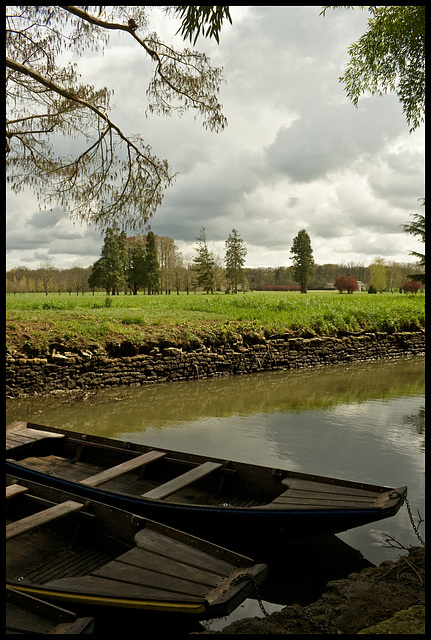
(116, 177)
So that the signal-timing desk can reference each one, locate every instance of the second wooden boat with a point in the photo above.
(29, 615)
(239, 505)
(90, 557)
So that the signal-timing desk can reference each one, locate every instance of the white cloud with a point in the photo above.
(296, 153)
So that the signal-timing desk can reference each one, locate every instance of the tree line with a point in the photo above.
(388, 276)
(154, 265)
(149, 263)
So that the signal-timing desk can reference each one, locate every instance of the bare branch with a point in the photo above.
(115, 177)
(16, 66)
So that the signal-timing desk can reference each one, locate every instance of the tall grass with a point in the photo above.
(186, 317)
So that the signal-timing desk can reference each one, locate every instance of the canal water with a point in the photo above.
(362, 422)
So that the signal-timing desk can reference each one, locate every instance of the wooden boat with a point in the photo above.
(25, 614)
(92, 557)
(242, 506)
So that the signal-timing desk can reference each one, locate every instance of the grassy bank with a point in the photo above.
(34, 320)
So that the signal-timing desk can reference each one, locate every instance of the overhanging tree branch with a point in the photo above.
(116, 178)
(390, 57)
(16, 66)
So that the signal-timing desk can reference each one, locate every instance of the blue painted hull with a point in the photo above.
(238, 505)
(234, 528)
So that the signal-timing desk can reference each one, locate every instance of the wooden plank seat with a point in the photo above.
(14, 490)
(181, 481)
(18, 435)
(124, 467)
(42, 517)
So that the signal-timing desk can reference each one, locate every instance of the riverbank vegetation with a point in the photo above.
(36, 320)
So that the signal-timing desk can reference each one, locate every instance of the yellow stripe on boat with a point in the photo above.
(129, 603)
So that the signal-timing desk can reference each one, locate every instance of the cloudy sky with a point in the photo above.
(296, 153)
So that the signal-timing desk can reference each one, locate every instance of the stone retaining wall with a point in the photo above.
(90, 370)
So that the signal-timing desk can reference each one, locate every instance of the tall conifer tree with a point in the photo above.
(234, 260)
(204, 264)
(302, 259)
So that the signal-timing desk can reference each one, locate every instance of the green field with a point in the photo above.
(37, 319)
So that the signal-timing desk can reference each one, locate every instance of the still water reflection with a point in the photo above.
(362, 422)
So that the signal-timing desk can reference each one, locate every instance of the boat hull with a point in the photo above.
(27, 614)
(335, 506)
(97, 558)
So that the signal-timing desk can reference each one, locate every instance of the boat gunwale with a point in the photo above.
(116, 498)
(128, 447)
(70, 596)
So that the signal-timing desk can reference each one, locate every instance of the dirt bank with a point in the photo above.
(389, 598)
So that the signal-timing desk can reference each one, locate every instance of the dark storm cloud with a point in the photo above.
(331, 137)
(47, 219)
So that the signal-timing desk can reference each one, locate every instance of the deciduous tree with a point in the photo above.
(47, 271)
(346, 283)
(152, 265)
(169, 259)
(411, 286)
(378, 274)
